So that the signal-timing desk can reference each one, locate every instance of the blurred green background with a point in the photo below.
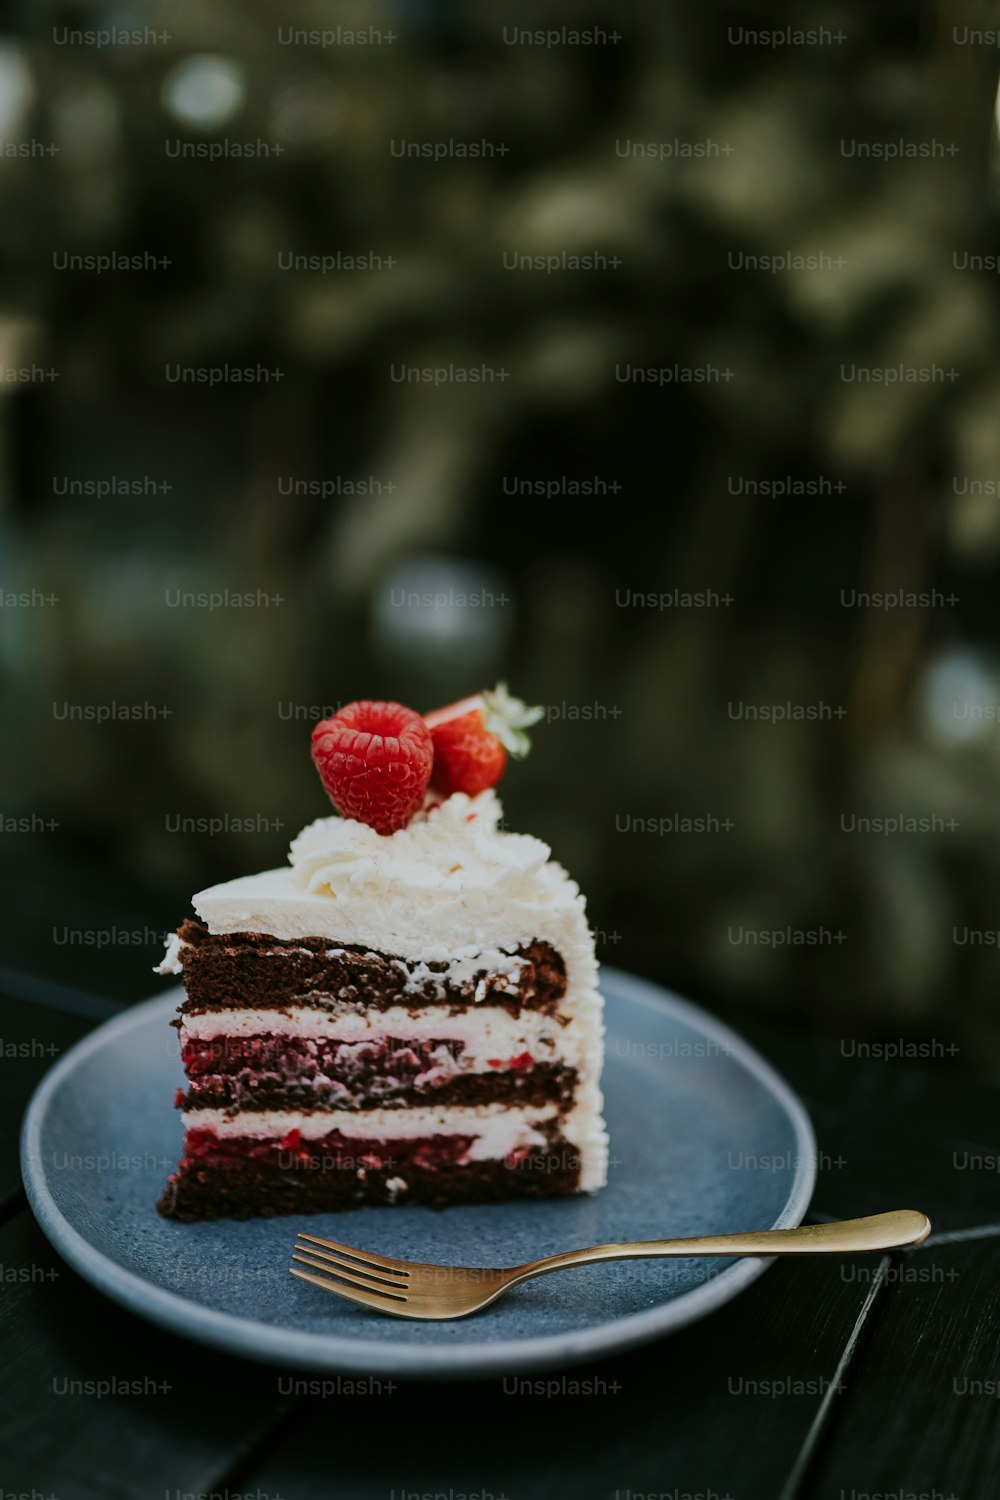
(405, 539)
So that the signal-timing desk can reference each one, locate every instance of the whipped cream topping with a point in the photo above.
(452, 886)
(452, 846)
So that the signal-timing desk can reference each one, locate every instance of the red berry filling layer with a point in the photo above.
(331, 1152)
(281, 1071)
(301, 1058)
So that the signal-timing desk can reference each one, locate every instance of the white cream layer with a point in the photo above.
(496, 1129)
(484, 1035)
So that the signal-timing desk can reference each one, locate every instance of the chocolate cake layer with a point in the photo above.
(238, 969)
(547, 1083)
(211, 1184)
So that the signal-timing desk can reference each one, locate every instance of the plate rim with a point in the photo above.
(337, 1354)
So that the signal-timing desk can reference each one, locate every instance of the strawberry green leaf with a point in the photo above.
(508, 718)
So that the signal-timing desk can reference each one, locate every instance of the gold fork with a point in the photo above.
(407, 1289)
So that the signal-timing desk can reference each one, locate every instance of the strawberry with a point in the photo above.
(472, 739)
(374, 759)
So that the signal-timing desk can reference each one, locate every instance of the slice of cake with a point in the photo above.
(407, 1012)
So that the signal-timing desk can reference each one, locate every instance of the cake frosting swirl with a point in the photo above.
(455, 845)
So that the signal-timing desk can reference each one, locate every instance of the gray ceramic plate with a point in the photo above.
(705, 1138)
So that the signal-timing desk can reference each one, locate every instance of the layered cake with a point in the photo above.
(408, 1011)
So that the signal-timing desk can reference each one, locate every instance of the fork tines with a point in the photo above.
(362, 1276)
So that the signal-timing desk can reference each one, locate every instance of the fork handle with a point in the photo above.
(889, 1231)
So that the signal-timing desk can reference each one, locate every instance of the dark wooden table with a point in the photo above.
(830, 1381)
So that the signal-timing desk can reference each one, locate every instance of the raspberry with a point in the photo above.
(374, 759)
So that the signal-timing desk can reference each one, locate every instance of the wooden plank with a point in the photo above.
(892, 1135)
(182, 1414)
(722, 1406)
(923, 1411)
